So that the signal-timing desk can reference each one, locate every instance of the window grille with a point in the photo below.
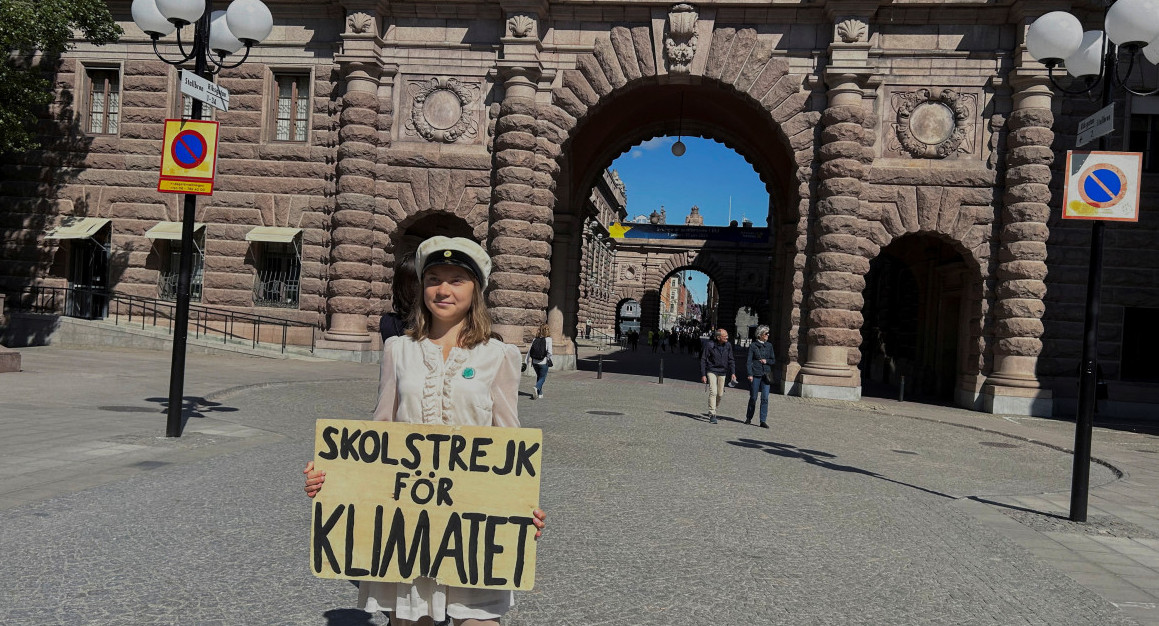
(278, 279)
(104, 101)
(292, 107)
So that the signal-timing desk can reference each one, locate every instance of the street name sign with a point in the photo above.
(1102, 186)
(1097, 125)
(205, 90)
(188, 157)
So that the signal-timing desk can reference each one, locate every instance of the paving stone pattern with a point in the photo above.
(655, 517)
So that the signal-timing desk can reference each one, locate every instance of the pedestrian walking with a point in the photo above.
(717, 364)
(760, 371)
(653, 336)
(539, 357)
(447, 369)
(404, 288)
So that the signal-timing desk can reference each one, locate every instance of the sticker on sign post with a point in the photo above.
(1102, 186)
(188, 157)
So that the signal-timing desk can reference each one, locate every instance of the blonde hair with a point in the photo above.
(543, 331)
(476, 330)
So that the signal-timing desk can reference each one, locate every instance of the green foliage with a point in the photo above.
(34, 33)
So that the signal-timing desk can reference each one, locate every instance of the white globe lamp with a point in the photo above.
(148, 18)
(1133, 23)
(221, 40)
(1088, 59)
(181, 12)
(250, 21)
(1054, 37)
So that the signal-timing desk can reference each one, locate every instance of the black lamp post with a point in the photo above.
(1131, 28)
(216, 35)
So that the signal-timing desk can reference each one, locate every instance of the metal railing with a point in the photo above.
(129, 309)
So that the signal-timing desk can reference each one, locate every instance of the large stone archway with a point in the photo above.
(615, 98)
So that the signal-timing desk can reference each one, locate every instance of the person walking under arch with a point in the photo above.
(539, 357)
(404, 289)
(760, 371)
(717, 364)
(447, 369)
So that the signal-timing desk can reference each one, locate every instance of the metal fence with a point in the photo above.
(132, 310)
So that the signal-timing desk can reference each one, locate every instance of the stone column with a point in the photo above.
(1013, 386)
(839, 265)
(557, 295)
(521, 217)
(352, 225)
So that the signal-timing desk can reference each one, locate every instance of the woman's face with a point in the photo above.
(447, 292)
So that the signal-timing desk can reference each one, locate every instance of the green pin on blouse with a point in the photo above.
(469, 372)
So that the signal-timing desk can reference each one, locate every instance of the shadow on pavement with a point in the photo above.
(194, 407)
(703, 417)
(677, 365)
(816, 457)
(348, 617)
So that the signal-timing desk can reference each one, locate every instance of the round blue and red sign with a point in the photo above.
(189, 149)
(1103, 185)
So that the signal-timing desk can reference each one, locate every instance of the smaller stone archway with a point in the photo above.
(922, 306)
(627, 316)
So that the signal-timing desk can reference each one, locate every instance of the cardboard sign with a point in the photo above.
(402, 501)
(1102, 186)
(188, 157)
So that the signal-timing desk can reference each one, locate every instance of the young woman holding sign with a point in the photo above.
(446, 370)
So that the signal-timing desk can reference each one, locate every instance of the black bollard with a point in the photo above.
(600, 366)
(901, 391)
(661, 370)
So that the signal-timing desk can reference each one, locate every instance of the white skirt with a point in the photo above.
(424, 596)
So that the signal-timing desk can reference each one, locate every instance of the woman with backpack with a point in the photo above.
(539, 356)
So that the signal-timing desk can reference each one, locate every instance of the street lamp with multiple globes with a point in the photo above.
(216, 35)
(1130, 28)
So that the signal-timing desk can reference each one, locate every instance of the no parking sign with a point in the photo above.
(1102, 186)
(188, 157)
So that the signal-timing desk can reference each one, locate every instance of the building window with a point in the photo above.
(170, 270)
(279, 271)
(1140, 344)
(104, 101)
(1145, 139)
(291, 107)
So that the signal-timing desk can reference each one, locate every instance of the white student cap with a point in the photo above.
(440, 250)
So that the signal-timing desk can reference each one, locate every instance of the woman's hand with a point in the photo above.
(538, 519)
(314, 479)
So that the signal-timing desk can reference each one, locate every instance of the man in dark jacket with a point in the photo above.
(716, 364)
(760, 368)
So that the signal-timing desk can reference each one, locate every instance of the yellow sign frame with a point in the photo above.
(196, 178)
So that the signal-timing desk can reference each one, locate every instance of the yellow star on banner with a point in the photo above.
(617, 230)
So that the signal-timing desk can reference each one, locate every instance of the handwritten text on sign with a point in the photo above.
(402, 501)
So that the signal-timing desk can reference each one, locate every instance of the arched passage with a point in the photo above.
(917, 319)
(648, 108)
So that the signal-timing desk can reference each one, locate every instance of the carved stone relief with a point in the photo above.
(852, 30)
(440, 110)
(521, 26)
(933, 123)
(360, 23)
(680, 42)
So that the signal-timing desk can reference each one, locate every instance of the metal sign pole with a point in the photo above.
(174, 425)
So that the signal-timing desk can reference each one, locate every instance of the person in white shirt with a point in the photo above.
(539, 357)
(447, 369)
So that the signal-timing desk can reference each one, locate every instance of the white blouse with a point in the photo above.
(476, 387)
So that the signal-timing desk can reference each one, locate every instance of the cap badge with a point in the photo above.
(447, 253)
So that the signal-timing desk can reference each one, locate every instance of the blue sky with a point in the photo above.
(707, 175)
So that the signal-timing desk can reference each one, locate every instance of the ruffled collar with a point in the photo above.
(438, 401)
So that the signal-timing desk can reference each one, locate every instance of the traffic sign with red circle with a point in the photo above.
(188, 157)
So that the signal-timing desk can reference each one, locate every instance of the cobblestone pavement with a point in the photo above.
(869, 513)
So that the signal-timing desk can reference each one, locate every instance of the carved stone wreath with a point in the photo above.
(932, 125)
(439, 110)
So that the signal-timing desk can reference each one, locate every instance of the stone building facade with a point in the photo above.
(908, 149)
